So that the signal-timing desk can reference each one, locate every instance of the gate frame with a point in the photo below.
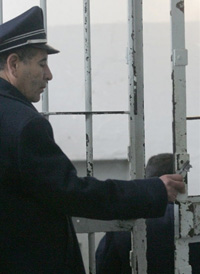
(187, 208)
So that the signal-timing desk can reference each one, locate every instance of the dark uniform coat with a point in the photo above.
(40, 191)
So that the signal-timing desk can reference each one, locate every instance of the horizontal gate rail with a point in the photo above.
(193, 118)
(84, 112)
(98, 113)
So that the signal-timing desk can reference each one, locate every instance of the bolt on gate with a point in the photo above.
(187, 208)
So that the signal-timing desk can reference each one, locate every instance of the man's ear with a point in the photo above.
(13, 64)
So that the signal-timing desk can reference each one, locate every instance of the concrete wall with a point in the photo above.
(109, 75)
(110, 91)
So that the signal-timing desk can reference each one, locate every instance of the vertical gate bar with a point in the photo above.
(43, 5)
(91, 246)
(88, 117)
(179, 61)
(45, 94)
(136, 125)
(1, 11)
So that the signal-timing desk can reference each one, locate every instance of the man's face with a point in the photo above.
(33, 75)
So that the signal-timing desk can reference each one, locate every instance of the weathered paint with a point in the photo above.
(180, 6)
(136, 125)
(88, 118)
(186, 220)
(181, 253)
(196, 212)
(187, 209)
(85, 112)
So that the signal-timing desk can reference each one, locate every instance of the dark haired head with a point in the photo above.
(159, 165)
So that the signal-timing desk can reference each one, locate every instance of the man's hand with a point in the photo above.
(174, 184)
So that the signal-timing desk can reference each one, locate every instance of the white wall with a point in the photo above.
(110, 87)
(69, 12)
(110, 90)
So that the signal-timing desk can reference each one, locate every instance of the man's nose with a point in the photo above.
(48, 74)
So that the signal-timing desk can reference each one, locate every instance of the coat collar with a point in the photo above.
(8, 90)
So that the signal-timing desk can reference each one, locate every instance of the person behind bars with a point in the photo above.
(39, 187)
(112, 254)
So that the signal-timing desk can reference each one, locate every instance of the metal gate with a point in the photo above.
(187, 209)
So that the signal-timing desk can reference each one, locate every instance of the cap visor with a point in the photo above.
(49, 49)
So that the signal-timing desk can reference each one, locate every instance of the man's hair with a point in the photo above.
(25, 53)
(159, 165)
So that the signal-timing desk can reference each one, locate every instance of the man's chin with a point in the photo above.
(35, 99)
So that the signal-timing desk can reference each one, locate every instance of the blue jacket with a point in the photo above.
(40, 191)
(112, 255)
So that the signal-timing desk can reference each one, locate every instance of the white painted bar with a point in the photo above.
(183, 215)
(45, 94)
(136, 126)
(88, 118)
(1, 11)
